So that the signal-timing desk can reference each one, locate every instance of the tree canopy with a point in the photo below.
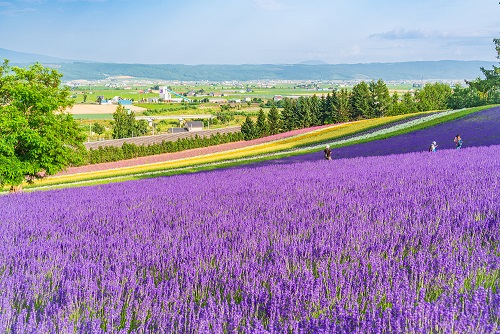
(38, 137)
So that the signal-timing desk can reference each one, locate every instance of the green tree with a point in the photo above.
(141, 127)
(274, 120)
(315, 110)
(38, 137)
(124, 123)
(464, 98)
(302, 113)
(248, 129)
(360, 101)
(395, 105)
(433, 96)
(484, 87)
(98, 128)
(332, 111)
(380, 99)
(261, 126)
(287, 115)
(343, 105)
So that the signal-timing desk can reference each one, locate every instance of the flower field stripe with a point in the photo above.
(289, 146)
(243, 154)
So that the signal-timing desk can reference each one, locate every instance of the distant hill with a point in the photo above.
(425, 70)
(309, 70)
(28, 58)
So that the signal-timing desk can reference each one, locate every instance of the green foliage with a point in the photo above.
(315, 111)
(37, 136)
(248, 129)
(287, 115)
(464, 98)
(434, 96)
(380, 100)
(225, 115)
(360, 102)
(98, 128)
(261, 126)
(124, 123)
(329, 110)
(141, 127)
(274, 120)
(302, 113)
(342, 105)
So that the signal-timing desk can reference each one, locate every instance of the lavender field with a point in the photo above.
(401, 243)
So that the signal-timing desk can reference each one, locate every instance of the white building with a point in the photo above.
(165, 94)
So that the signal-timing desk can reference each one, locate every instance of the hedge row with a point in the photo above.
(129, 151)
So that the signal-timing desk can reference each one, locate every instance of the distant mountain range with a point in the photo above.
(308, 70)
(16, 57)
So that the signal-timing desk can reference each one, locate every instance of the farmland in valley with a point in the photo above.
(405, 242)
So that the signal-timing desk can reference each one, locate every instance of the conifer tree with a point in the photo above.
(261, 127)
(380, 99)
(360, 101)
(302, 114)
(409, 105)
(324, 108)
(333, 108)
(248, 129)
(343, 105)
(274, 120)
(315, 110)
(287, 115)
(395, 105)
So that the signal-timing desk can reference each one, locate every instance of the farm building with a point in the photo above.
(194, 126)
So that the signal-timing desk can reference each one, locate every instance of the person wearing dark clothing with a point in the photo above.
(458, 142)
(328, 153)
(433, 147)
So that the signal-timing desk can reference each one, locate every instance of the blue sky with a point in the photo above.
(252, 31)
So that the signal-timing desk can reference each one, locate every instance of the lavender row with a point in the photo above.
(403, 243)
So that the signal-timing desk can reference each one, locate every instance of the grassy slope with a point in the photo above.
(300, 144)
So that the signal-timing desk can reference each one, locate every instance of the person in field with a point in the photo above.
(458, 142)
(328, 152)
(433, 147)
